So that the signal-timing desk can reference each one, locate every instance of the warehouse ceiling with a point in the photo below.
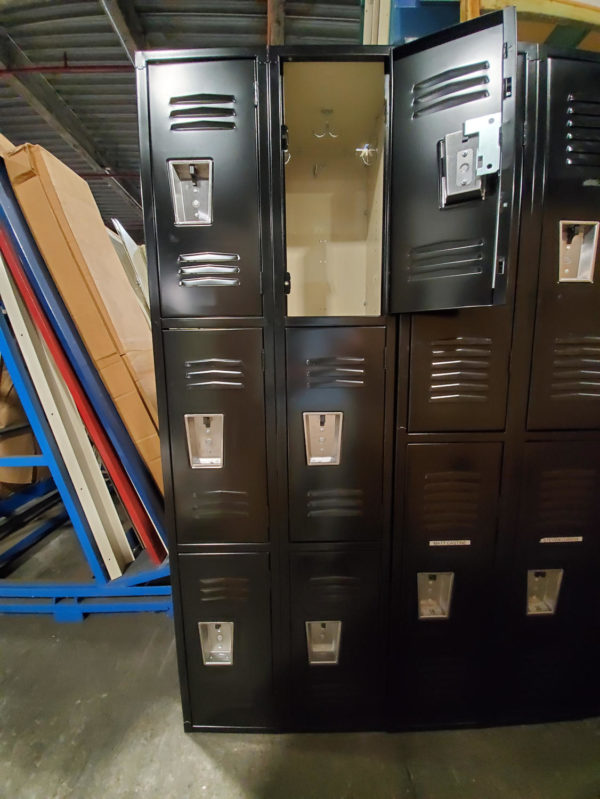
(84, 109)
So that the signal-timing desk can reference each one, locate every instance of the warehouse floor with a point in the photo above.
(92, 710)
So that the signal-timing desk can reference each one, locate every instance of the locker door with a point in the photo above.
(227, 631)
(335, 377)
(453, 141)
(451, 500)
(565, 380)
(551, 660)
(459, 370)
(338, 649)
(203, 123)
(215, 394)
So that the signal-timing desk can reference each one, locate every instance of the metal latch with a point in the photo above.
(487, 130)
(216, 641)
(323, 642)
(466, 156)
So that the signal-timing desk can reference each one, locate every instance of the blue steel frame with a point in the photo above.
(42, 284)
(66, 601)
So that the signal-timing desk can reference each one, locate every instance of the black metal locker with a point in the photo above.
(215, 390)
(459, 370)
(203, 124)
(446, 587)
(565, 380)
(228, 596)
(336, 371)
(337, 639)
(309, 514)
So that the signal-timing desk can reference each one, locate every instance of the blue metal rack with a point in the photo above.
(47, 294)
(141, 588)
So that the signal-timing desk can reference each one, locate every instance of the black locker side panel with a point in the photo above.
(218, 372)
(345, 587)
(449, 533)
(459, 370)
(221, 589)
(337, 370)
(207, 110)
(452, 173)
(565, 381)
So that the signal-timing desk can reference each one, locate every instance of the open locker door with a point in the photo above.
(453, 141)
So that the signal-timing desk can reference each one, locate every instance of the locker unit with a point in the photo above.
(351, 482)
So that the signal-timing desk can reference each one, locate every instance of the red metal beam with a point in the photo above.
(131, 501)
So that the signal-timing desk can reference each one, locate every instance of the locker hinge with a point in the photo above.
(260, 283)
(287, 283)
(256, 94)
(262, 360)
(505, 50)
(525, 133)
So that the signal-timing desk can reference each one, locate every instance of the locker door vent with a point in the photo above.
(335, 587)
(202, 269)
(450, 88)
(215, 373)
(451, 502)
(348, 372)
(224, 589)
(337, 502)
(446, 258)
(576, 368)
(583, 131)
(460, 369)
(566, 501)
(220, 504)
(202, 112)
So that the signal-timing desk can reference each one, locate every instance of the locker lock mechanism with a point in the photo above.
(466, 157)
(323, 437)
(323, 642)
(216, 642)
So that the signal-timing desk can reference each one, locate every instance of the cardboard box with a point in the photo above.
(69, 231)
(17, 443)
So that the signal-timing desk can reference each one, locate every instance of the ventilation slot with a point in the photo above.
(583, 131)
(451, 502)
(576, 368)
(566, 501)
(205, 99)
(333, 587)
(202, 269)
(334, 372)
(446, 259)
(214, 373)
(450, 88)
(221, 504)
(223, 589)
(460, 370)
(334, 503)
(203, 112)
(448, 75)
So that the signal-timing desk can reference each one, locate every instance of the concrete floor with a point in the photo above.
(92, 710)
